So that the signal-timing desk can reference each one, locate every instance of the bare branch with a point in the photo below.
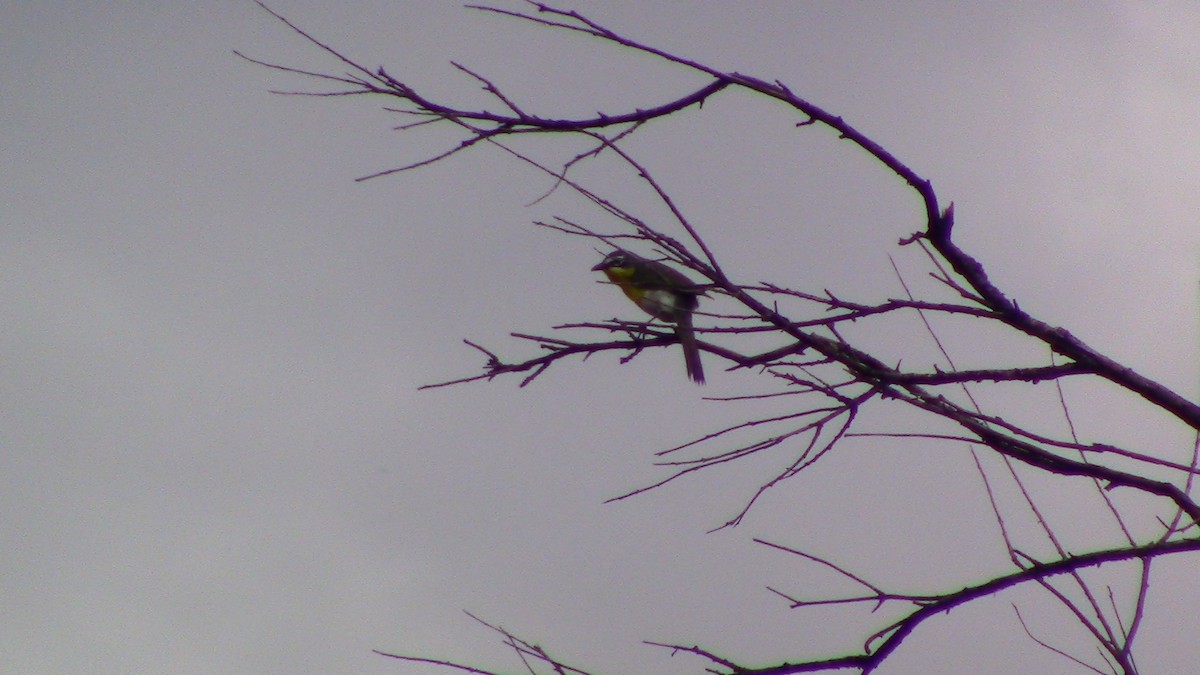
(811, 358)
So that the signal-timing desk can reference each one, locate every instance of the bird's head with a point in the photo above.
(615, 261)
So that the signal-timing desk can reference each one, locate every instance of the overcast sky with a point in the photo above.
(215, 458)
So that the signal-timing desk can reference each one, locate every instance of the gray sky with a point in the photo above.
(215, 458)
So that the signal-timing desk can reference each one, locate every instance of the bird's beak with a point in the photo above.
(598, 267)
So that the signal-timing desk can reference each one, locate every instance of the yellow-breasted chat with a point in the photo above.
(662, 292)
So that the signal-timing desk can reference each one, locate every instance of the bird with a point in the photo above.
(662, 292)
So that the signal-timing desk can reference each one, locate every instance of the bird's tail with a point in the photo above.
(691, 352)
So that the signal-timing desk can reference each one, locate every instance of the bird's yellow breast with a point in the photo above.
(623, 278)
